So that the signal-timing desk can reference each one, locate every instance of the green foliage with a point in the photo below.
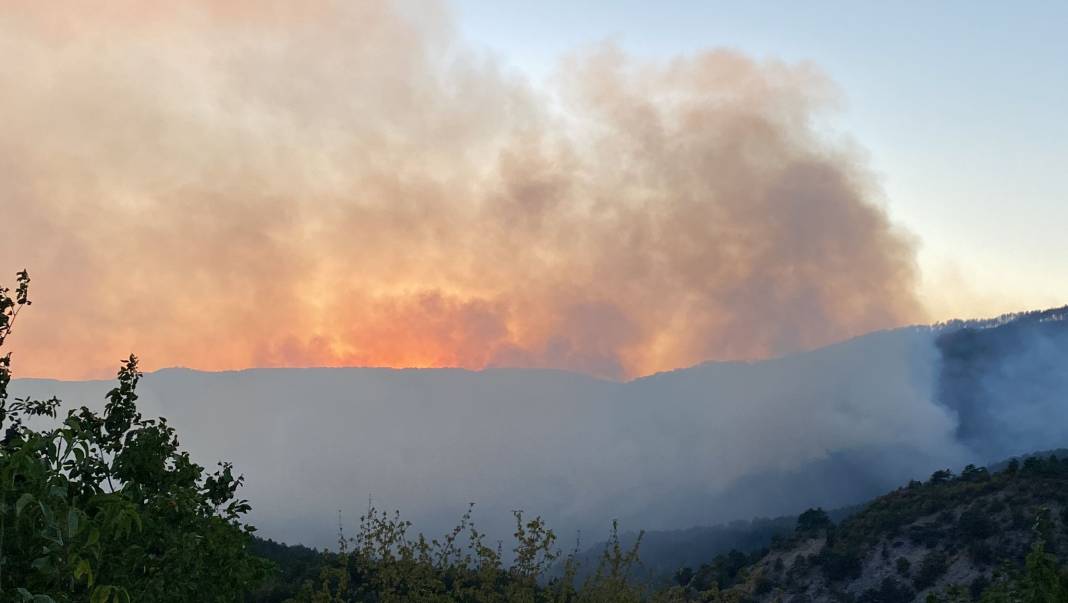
(664, 552)
(840, 563)
(105, 507)
(725, 571)
(812, 521)
(971, 473)
(987, 504)
(296, 564)
(1043, 579)
(931, 569)
(953, 514)
(941, 477)
(385, 562)
(971, 522)
(975, 524)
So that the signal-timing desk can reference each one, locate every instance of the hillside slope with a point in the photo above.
(952, 536)
(699, 446)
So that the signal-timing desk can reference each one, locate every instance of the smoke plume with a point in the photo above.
(346, 183)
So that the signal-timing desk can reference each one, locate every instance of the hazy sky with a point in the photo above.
(960, 105)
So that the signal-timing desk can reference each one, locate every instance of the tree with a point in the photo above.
(971, 473)
(106, 507)
(813, 520)
(941, 476)
(931, 569)
(1013, 467)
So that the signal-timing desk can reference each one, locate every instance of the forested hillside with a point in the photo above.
(664, 552)
(967, 537)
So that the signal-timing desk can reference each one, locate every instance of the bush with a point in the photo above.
(840, 564)
(975, 525)
(813, 520)
(931, 569)
(763, 586)
(890, 591)
(106, 507)
(385, 562)
(977, 586)
(942, 476)
(981, 553)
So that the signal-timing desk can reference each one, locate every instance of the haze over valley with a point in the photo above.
(698, 446)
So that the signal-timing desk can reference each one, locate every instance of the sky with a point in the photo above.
(959, 106)
(614, 189)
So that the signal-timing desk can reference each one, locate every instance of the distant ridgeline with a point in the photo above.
(1007, 381)
(1029, 317)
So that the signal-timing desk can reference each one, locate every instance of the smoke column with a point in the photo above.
(257, 184)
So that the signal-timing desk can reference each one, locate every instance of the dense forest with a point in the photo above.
(107, 507)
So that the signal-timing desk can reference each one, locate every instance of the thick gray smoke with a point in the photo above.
(1007, 384)
(323, 183)
(702, 445)
(696, 446)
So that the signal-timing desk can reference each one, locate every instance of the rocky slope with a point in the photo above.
(950, 537)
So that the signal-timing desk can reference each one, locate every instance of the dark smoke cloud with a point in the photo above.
(228, 185)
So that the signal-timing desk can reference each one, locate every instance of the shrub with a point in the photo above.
(813, 520)
(890, 591)
(981, 553)
(839, 565)
(106, 507)
(942, 476)
(975, 525)
(930, 570)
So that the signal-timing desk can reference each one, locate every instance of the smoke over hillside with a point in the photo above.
(716, 442)
(345, 183)
(1007, 383)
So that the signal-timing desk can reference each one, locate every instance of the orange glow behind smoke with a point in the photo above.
(346, 184)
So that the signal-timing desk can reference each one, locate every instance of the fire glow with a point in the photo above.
(348, 184)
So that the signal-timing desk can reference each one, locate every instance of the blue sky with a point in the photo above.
(959, 105)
